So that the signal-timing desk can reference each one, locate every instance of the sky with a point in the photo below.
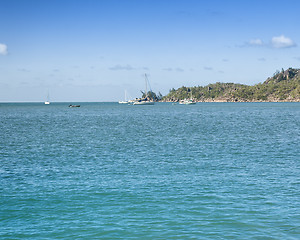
(94, 50)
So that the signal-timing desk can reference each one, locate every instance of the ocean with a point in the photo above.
(112, 171)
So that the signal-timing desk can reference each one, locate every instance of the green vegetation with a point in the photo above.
(283, 86)
(152, 96)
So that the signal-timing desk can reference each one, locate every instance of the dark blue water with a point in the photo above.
(109, 171)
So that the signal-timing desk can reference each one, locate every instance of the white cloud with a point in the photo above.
(261, 59)
(3, 49)
(120, 67)
(169, 69)
(276, 42)
(252, 43)
(282, 42)
(256, 42)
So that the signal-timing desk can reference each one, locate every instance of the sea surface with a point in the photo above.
(112, 171)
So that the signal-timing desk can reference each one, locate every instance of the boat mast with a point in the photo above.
(146, 93)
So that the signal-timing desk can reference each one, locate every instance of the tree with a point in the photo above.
(150, 95)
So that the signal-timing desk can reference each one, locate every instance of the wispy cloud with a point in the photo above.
(275, 42)
(169, 69)
(214, 13)
(3, 49)
(208, 68)
(261, 59)
(179, 69)
(256, 42)
(23, 70)
(282, 42)
(121, 67)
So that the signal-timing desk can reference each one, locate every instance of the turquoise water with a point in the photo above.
(110, 171)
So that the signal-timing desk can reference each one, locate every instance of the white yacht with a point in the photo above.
(147, 100)
(47, 101)
(125, 99)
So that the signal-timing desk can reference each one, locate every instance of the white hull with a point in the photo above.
(47, 99)
(187, 102)
(126, 101)
(143, 103)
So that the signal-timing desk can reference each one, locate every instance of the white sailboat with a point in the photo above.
(48, 99)
(145, 101)
(188, 101)
(125, 100)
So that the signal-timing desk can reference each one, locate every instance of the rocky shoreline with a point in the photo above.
(284, 86)
(223, 101)
(238, 100)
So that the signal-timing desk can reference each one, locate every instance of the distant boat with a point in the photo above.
(143, 102)
(188, 101)
(147, 99)
(74, 105)
(47, 101)
(125, 101)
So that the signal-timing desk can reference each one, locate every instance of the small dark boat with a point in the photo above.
(74, 105)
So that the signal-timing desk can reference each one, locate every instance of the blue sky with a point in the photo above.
(92, 50)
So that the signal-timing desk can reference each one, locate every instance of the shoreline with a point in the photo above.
(239, 101)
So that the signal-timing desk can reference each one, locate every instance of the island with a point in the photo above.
(283, 86)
